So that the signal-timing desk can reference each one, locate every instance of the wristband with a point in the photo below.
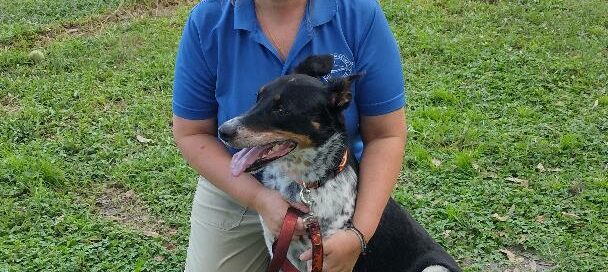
(360, 237)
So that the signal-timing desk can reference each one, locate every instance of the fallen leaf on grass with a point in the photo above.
(516, 180)
(511, 209)
(436, 162)
(501, 233)
(159, 258)
(169, 246)
(576, 188)
(510, 255)
(500, 218)
(540, 167)
(540, 219)
(58, 220)
(143, 140)
(522, 182)
(129, 194)
(522, 238)
(152, 234)
(571, 215)
(491, 175)
(595, 103)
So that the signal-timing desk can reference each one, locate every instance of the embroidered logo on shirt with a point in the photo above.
(343, 66)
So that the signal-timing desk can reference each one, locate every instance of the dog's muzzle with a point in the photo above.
(228, 130)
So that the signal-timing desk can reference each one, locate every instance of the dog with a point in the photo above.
(295, 133)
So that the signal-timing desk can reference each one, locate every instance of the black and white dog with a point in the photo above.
(296, 133)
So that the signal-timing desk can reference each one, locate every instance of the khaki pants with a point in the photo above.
(224, 236)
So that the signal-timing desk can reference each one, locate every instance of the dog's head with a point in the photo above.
(292, 112)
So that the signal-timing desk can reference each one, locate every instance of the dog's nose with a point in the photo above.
(227, 132)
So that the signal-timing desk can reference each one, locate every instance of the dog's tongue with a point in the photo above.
(245, 158)
(248, 156)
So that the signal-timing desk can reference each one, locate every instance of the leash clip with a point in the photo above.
(313, 227)
(308, 201)
(309, 219)
(305, 196)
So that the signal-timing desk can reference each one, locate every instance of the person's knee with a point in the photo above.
(224, 237)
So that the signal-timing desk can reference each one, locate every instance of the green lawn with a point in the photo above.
(507, 162)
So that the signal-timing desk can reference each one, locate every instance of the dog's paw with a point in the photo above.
(436, 268)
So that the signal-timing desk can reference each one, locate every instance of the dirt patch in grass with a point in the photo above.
(97, 23)
(124, 206)
(521, 260)
(9, 104)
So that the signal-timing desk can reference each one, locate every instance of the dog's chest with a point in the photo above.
(334, 205)
(333, 202)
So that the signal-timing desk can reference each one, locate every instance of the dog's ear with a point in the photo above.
(315, 66)
(340, 91)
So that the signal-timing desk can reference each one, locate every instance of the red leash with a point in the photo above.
(314, 233)
(281, 245)
(313, 227)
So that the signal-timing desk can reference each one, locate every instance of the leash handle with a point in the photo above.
(314, 233)
(281, 245)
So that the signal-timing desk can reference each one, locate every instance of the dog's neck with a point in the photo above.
(315, 164)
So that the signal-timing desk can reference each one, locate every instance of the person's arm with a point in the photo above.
(195, 124)
(384, 137)
(197, 142)
(380, 100)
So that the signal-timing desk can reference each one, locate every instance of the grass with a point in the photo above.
(23, 21)
(507, 153)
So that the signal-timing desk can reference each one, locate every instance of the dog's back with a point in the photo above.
(400, 244)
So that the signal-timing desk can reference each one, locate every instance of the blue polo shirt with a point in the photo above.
(224, 58)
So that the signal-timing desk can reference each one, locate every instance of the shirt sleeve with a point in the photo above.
(194, 83)
(381, 90)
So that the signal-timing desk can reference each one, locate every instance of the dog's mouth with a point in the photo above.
(253, 158)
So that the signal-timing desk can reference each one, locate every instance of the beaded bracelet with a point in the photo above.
(361, 238)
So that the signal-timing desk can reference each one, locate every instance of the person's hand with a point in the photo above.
(341, 250)
(272, 207)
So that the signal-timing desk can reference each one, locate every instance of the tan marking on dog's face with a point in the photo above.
(246, 137)
(315, 125)
(303, 141)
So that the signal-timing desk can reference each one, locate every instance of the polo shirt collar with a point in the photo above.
(319, 12)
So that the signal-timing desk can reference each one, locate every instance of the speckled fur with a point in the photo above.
(334, 202)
